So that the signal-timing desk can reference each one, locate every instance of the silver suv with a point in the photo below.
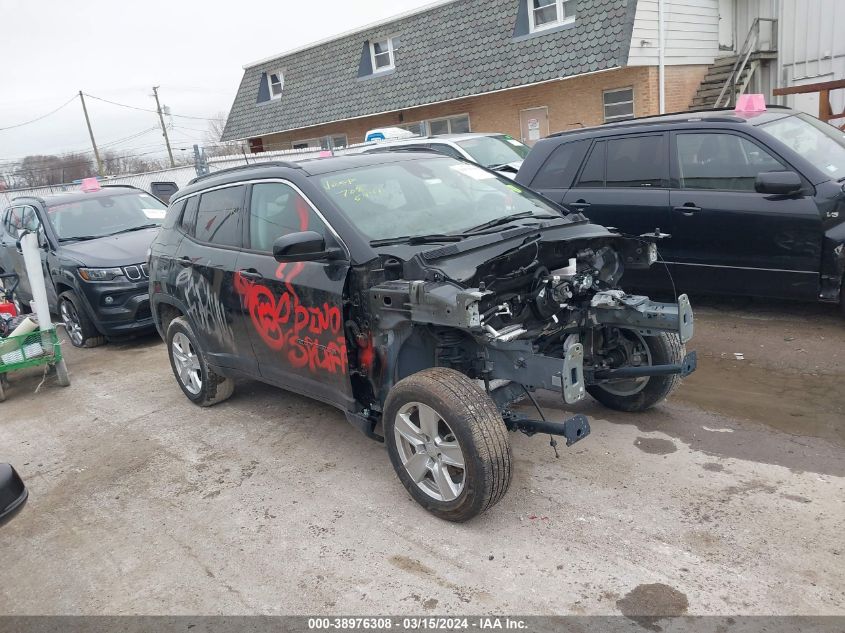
(499, 152)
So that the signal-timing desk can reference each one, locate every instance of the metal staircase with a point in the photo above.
(728, 77)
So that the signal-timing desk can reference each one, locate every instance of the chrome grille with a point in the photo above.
(136, 272)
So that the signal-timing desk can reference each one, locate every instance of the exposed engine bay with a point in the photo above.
(544, 314)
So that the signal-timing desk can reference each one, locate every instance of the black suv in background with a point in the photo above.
(753, 203)
(94, 250)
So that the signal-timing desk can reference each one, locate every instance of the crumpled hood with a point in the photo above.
(116, 250)
(460, 261)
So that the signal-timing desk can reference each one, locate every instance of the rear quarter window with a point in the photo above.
(174, 215)
(560, 167)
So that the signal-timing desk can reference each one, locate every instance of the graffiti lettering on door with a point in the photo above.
(309, 335)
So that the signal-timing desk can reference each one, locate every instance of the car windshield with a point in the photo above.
(820, 143)
(426, 196)
(99, 216)
(493, 151)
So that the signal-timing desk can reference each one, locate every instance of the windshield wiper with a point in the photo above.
(503, 167)
(511, 218)
(417, 239)
(135, 228)
(80, 238)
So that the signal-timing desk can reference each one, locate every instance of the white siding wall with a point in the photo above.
(746, 12)
(692, 32)
(812, 49)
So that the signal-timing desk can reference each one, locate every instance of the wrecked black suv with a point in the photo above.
(421, 295)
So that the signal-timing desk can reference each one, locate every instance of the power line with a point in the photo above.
(131, 107)
(106, 145)
(43, 116)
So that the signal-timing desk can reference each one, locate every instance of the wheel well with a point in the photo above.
(60, 288)
(166, 314)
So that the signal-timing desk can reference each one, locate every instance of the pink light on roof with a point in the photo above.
(749, 104)
(326, 153)
(90, 184)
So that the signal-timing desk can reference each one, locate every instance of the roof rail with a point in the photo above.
(271, 163)
(725, 112)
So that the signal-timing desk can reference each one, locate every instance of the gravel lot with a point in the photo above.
(728, 499)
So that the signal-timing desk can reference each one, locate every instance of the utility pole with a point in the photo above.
(91, 134)
(163, 127)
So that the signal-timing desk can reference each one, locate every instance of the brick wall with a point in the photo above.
(572, 103)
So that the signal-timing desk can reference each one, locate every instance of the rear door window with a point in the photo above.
(219, 216)
(636, 161)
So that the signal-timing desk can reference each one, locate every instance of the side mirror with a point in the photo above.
(305, 246)
(42, 240)
(778, 183)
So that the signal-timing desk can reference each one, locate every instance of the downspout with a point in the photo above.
(661, 66)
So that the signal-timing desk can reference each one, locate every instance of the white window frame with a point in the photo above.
(312, 143)
(560, 21)
(617, 117)
(332, 137)
(422, 124)
(281, 75)
(383, 69)
(449, 118)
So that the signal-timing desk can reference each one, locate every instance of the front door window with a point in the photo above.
(724, 162)
(295, 308)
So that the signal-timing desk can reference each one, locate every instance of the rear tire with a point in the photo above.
(665, 349)
(79, 328)
(197, 380)
(4, 382)
(451, 449)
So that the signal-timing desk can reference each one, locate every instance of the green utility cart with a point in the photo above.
(40, 347)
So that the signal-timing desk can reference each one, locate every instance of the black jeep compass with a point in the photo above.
(94, 254)
(419, 294)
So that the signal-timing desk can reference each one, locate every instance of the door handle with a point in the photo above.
(185, 261)
(251, 274)
(689, 209)
(578, 204)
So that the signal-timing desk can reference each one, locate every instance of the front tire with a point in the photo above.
(637, 395)
(197, 380)
(447, 443)
(80, 329)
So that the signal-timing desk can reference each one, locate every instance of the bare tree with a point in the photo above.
(213, 145)
(117, 163)
(43, 170)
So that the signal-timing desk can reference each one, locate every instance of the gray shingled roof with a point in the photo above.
(455, 50)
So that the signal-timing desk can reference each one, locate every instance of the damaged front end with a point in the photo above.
(544, 314)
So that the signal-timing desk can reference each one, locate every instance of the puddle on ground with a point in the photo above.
(798, 404)
(646, 604)
(655, 446)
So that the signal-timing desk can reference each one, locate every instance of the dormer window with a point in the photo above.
(277, 84)
(546, 14)
(381, 52)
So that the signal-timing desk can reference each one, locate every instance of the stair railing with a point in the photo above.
(749, 47)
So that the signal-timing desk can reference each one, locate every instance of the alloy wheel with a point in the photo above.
(186, 362)
(429, 451)
(71, 320)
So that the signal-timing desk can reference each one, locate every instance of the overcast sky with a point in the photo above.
(194, 50)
